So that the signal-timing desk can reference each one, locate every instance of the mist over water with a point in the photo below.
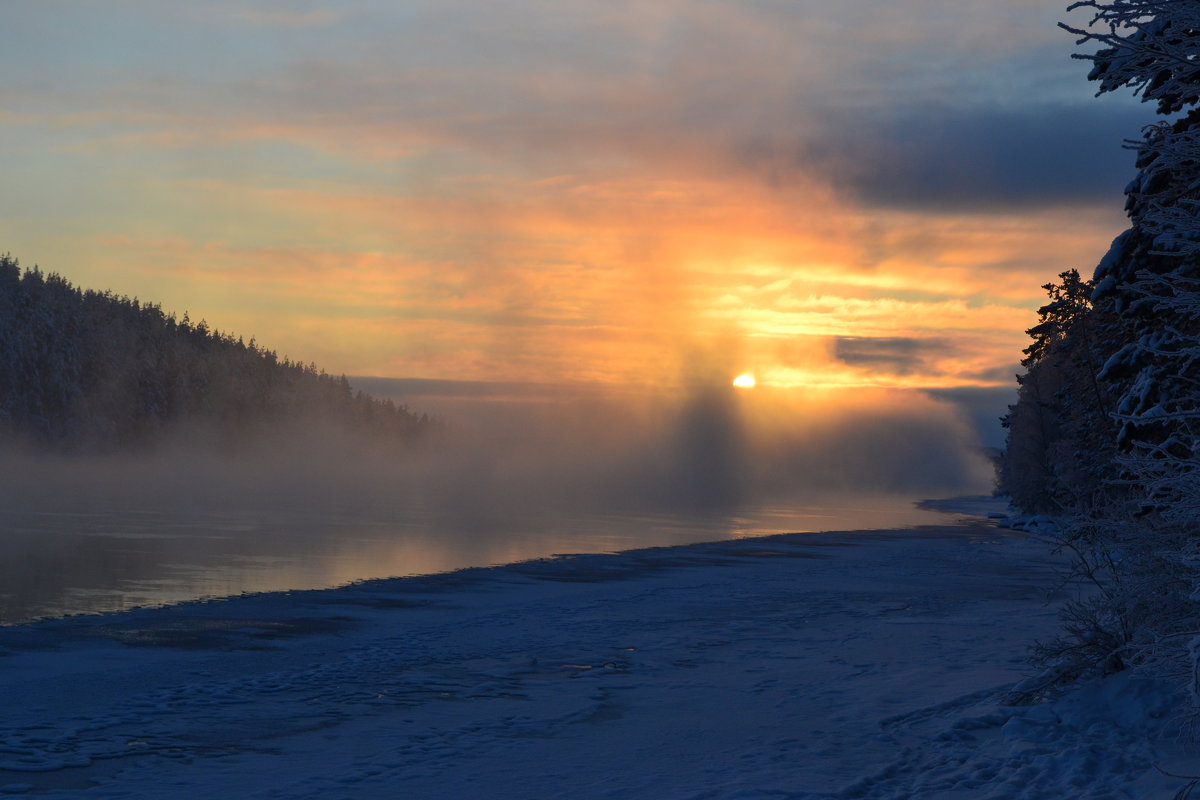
(517, 473)
(715, 448)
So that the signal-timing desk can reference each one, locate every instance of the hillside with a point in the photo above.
(88, 371)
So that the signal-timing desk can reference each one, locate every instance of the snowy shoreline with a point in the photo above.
(859, 664)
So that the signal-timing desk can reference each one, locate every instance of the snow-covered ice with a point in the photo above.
(840, 665)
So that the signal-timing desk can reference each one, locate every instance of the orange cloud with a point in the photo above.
(578, 279)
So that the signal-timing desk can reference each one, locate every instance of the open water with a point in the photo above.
(56, 563)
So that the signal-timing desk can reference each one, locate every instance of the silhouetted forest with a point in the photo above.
(88, 371)
(1105, 435)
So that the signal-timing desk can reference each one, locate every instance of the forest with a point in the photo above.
(92, 372)
(1105, 434)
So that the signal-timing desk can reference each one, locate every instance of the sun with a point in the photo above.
(744, 381)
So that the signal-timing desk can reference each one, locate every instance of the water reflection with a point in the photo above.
(54, 564)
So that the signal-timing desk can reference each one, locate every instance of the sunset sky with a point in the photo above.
(847, 193)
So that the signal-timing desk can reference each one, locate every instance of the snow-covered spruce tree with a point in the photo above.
(1061, 418)
(1059, 460)
(1147, 307)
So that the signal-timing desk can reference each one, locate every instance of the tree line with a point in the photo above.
(88, 371)
(1105, 434)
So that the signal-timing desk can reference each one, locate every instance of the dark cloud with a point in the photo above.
(983, 159)
(1005, 374)
(897, 355)
(848, 91)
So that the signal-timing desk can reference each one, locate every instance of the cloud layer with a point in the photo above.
(850, 194)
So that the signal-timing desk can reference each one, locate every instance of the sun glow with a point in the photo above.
(744, 381)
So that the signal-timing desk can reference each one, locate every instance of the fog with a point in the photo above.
(515, 472)
(715, 448)
(539, 449)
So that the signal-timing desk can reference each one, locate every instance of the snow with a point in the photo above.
(837, 665)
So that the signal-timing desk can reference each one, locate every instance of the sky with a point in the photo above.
(835, 194)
